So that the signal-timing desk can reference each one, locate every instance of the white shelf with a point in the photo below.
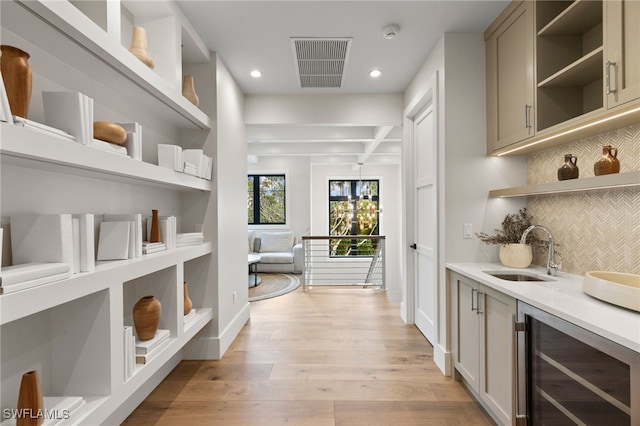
(31, 148)
(105, 58)
(20, 304)
(579, 73)
(596, 183)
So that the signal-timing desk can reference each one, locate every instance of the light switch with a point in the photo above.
(467, 231)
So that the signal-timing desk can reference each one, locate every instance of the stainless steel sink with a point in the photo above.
(516, 276)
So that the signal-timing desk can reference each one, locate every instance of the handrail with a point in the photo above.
(343, 237)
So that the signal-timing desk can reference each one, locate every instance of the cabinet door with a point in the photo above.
(497, 316)
(510, 79)
(622, 51)
(465, 329)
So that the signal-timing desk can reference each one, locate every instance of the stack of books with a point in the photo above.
(189, 239)
(198, 164)
(147, 350)
(134, 139)
(148, 248)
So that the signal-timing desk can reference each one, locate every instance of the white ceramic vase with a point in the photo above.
(516, 255)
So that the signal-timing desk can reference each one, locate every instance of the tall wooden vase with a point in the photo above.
(188, 304)
(155, 236)
(139, 46)
(189, 90)
(30, 401)
(146, 317)
(18, 79)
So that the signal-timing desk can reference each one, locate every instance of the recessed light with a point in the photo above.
(375, 73)
(256, 74)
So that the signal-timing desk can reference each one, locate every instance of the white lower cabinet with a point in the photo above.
(483, 344)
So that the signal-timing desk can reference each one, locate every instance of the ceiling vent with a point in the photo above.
(321, 62)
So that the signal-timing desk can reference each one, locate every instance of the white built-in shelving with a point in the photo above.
(71, 331)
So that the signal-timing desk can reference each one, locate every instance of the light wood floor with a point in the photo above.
(331, 356)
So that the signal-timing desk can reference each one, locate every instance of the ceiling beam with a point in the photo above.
(382, 133)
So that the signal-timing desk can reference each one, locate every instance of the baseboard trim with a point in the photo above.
(442, 358)
(214, 347)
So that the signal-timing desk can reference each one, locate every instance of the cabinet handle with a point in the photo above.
(519, 387)
(527, 116)
(609, 89)
(473, 297)
(478, 294)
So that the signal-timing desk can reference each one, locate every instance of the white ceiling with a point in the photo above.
(251, 35)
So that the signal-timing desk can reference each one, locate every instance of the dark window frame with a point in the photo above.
(256, 198)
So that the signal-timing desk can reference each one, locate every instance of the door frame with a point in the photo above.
(428, 96)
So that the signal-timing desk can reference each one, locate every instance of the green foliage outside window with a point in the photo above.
(266, 198)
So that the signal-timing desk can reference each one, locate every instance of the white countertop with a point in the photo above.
(562, 297)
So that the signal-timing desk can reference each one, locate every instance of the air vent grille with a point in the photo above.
(321, 62)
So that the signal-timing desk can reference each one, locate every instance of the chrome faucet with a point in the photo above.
(552, 266)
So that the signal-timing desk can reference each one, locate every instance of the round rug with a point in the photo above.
(273, 285)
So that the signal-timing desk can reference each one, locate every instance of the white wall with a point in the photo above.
(466, 173)
(297, 170)
(390, 202)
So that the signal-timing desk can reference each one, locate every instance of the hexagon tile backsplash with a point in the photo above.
(595, 230)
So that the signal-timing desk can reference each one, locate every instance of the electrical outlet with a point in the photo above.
(467, 231)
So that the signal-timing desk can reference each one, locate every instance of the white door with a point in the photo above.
(425, 234)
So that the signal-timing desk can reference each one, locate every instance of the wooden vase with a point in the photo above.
(187, 300)
(146, 317)
(569, 170)
(30, 401)
(155, 236)
(109, 132)
(189, 90)
(139, 46)
(18, 79)
(608, 163)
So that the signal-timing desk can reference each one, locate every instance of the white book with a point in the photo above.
(190, 169)
(110, 147)
(75, 222)
(155, 249)
(136, 233)
(134, 139)
(5, 108)
(65, 111)
(34, 125)
(148, 346)
(129, 352)
(87, 242)
(27, 275)
(42, 238)
(170, 157)
(196, 158)
(113, 243)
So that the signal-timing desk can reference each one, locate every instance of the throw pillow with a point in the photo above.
(276, 242)
(252, 239)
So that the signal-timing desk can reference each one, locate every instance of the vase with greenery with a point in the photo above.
(512, 253)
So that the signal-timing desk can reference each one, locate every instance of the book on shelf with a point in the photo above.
(129, 352)
(148, 346)
(191, 315)
(42, 238)
(135, 234)
(189, 239)
(71, 112)
(87, 242)
(113, 242)
(197, 163)
(75, 229)
(170, 157)
(134, 139)
(110, 147)
(168, 227)
(27, 275)
(5, 108)
(43, 128)
(149, 248)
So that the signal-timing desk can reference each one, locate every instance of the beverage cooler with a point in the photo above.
(567, 375)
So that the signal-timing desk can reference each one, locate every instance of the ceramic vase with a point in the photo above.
(18, 79)
(155, 236)
(146, 317)
(139, 46)
(569, 170)
(608, 163)
(187, 300)
(516, 255)
(30, 401)
(189, 90)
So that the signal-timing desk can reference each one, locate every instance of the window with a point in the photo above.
(353, 210)
(266, 200)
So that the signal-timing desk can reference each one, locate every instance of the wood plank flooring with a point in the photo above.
(328, 356)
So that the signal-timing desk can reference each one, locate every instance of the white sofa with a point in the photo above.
(278, 252)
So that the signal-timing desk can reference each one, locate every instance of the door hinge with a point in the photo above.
(520, 326)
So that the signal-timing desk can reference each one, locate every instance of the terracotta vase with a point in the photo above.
(608, 163)
(30, 401)
(569, 170)
(187, 300)
(189, 90)
(146, 317)
(516, 255)
(18, 79)
(155, 236)
(139, 46)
